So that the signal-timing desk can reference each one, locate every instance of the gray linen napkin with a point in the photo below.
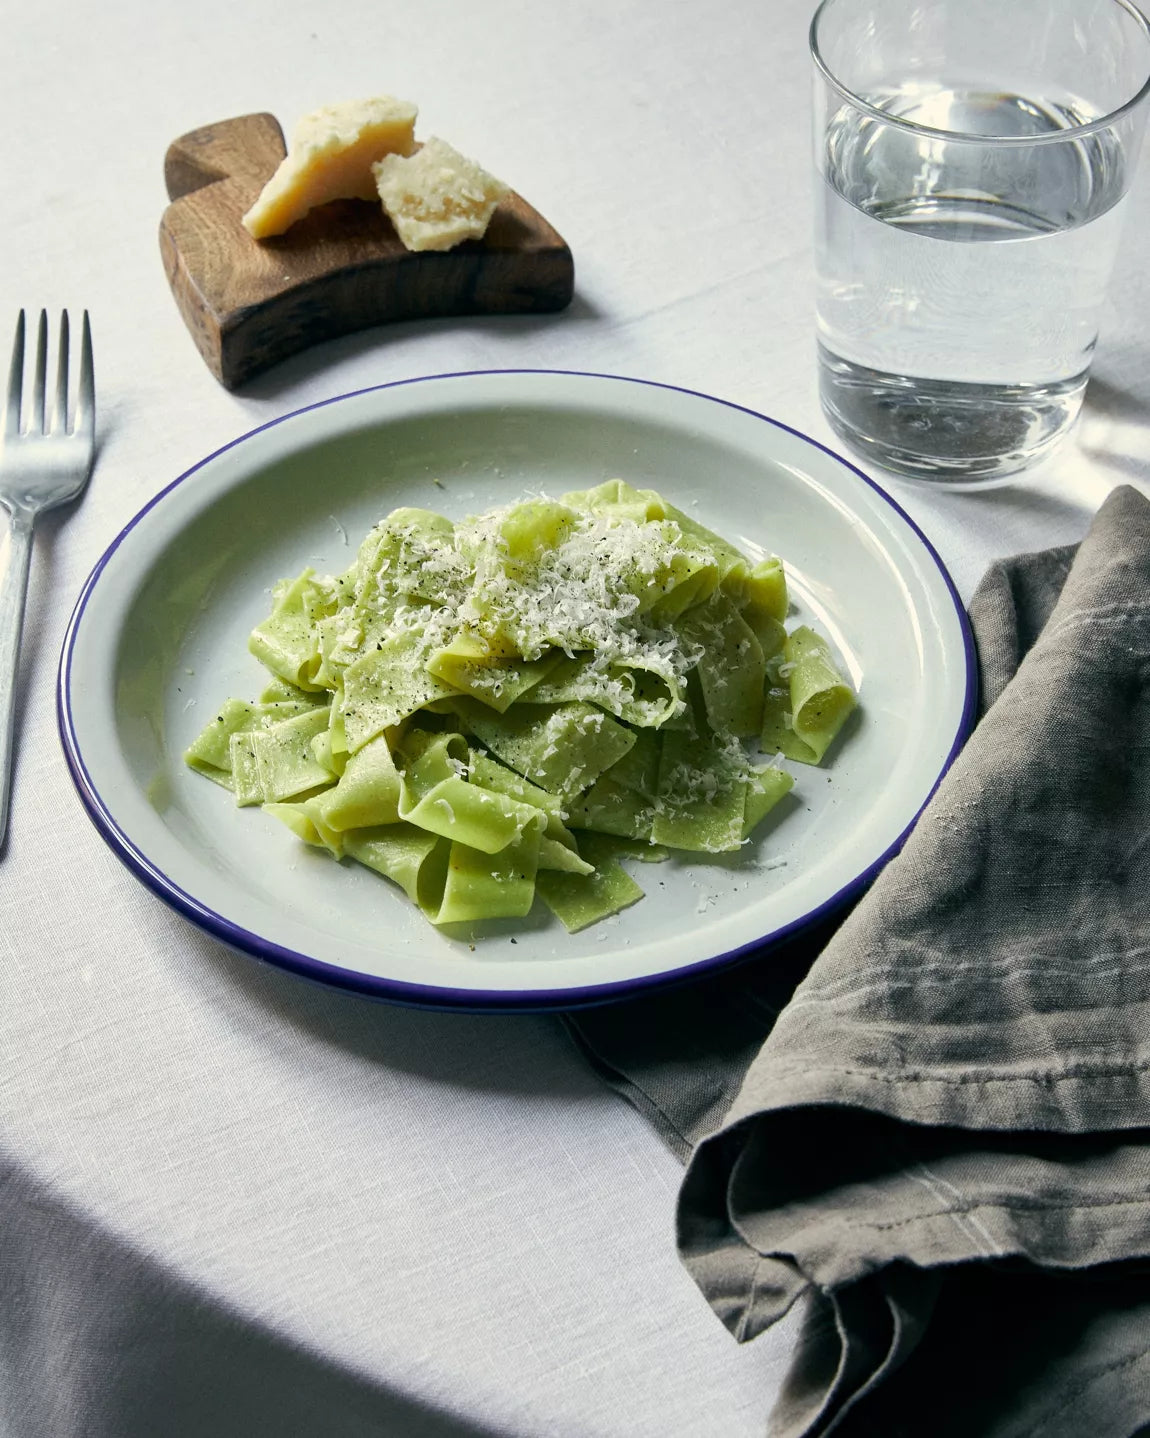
(941, 1144)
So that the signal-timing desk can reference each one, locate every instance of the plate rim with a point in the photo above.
(494, 1000)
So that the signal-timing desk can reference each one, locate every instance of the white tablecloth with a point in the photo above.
(232, 1203)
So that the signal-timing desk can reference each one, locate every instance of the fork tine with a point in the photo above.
(60, 411)
(15, 382)
(85, 419)
(41, 374)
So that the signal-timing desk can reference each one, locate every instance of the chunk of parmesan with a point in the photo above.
(331, 156)
(436, 198)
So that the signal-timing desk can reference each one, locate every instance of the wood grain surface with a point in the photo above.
(250, 304)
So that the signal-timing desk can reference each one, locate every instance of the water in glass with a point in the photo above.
(959, 285)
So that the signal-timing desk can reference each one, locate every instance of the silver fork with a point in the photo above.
(42, 465)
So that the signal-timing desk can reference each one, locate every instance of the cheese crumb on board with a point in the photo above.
(330, 158)
(436, 198)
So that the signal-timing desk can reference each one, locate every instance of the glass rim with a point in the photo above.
(1049, 137)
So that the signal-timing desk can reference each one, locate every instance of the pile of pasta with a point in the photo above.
(497, 710)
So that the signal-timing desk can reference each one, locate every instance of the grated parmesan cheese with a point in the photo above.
(583, 595)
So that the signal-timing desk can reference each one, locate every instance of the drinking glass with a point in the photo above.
(974, 159)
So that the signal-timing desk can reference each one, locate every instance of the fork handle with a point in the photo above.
(15, 556)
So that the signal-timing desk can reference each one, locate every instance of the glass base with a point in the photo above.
(963, 436)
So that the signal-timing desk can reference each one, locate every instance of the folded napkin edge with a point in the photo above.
(1109, 1098)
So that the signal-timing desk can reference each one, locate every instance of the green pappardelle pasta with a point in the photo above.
(496, 711)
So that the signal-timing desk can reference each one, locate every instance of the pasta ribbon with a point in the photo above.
(808, 700)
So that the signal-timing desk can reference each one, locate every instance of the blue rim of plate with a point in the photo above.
(244, 941)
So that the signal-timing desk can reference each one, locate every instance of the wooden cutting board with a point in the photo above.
(250, 304)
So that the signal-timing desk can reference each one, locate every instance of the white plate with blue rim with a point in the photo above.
(159, 637)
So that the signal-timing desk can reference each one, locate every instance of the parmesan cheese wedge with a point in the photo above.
(436, 198)
(330, 158)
